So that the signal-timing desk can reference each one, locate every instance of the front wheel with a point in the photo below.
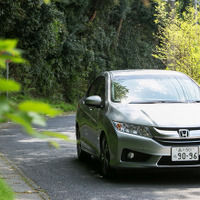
(106, 170)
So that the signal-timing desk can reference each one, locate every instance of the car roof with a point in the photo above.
(144, 72)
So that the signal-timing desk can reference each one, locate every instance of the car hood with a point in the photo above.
(172, 115)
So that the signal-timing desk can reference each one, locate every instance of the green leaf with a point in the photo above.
(47, 1)
(16, 59)
(2, 63)
(36, 119)
(8, 51)
(8, 45)
(22, 119)
(19, 60)
(6, 191)
(54, 144)
(4, 105)
(38, 107)
(56, 135)
(9, 85)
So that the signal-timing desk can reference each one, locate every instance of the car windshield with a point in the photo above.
(154, 89)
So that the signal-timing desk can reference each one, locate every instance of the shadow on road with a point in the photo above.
(189, 176)
(64, 177)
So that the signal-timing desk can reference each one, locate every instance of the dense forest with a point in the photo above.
(69, 42)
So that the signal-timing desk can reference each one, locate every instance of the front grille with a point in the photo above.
(176, 129)
(166, 160)
(179, 142)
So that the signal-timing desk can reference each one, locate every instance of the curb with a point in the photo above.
(24, 187)
(5, 125)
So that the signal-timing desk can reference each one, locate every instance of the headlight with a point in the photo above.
(132, 129)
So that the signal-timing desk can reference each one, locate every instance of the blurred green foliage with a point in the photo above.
(5, 191)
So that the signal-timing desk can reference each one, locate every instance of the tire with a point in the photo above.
(106, 170)
(82, 155)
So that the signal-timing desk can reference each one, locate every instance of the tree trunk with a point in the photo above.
(93, 16)
(95, 10)
(118, 33)
(196, 10)
(172, 61)
(171, 6)
(172, 3)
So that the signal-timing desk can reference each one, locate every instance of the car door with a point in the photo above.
(92, 113)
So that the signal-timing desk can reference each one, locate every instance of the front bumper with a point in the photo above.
(148, 153)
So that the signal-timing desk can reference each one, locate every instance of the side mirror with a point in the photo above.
(93, 101)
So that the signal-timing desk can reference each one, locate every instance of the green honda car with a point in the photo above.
(140, 118)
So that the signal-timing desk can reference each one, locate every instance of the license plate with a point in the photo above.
(185, 153)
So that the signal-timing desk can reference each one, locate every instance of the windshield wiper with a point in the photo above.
(198, 101)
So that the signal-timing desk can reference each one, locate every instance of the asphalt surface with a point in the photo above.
(59, 174)
(21, 185)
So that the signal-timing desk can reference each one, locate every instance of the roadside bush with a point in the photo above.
(5, 191)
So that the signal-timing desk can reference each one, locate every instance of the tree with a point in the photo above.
(135, 42)
(179, 36)
(68, 45)
(124, 9)
(40, 29)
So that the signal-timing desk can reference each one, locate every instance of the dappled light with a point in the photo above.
(59, 172)
(137, 136)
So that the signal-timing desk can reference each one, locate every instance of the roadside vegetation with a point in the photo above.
(179, 36)
(64, 107)
(68, 43)
(57, 104)
(5, 191)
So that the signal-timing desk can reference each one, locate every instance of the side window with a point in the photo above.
(97, 88)
(101, 89)
(93, 88)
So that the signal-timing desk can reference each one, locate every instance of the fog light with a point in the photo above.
(130, 155)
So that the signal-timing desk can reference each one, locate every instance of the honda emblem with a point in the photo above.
(184, 133)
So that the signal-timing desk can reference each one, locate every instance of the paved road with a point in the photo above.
(63, 177)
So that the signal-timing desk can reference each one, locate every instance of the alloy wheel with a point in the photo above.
(105, 158)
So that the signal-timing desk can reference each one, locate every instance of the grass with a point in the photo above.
(5, 191)
(2, 120)
(63, 106)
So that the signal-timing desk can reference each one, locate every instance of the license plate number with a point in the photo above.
(185, 153)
